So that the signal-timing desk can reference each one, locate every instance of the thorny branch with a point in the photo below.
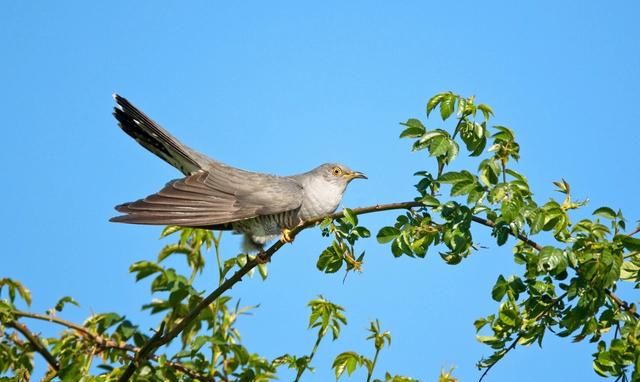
(35, 341)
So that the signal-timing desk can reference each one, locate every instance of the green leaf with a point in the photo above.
(126, 329)
(447, 105)
(630, 243)
(386, 234)
(347, 361)
(428, 136)
(501, 232)
(144, 269)
(508, 315)
(362, 232)
(350, 217)
(453, 150)
(395, 248)
(538, 222)
(455, 177)
(486, 111)
(605, 212)
(170, 229)
(552, 260)
(629, 271)
(329, 261)
(499, 289)
(439, 146)
(16, 286)
(434, 101)
(488, 169)
(503, 134)
(430, 201)
(414, 129)
(262, 269)
(65, 300)
(462, 188)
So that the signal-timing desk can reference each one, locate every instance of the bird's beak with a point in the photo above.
(357, 175)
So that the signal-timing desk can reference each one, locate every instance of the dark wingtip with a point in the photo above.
(124, 208)
(119, 101)
(117, 219)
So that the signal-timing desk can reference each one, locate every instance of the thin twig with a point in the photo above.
(519, 236)
(35, 341)
(311, 355)
(373, 364)
(629, 308)
(71, 325)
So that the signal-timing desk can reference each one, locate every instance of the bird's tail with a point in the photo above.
(154, 138)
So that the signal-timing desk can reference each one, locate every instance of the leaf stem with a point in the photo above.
(311, 355)
(216, 247)
(373, 365)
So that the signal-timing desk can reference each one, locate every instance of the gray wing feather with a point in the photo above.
(221, 195)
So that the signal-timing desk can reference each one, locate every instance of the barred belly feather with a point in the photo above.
(261, 229)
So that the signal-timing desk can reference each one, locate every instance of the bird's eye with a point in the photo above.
(337, 171)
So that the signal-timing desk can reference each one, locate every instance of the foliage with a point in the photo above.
(567, 286)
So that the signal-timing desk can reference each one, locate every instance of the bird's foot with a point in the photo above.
(287, 236)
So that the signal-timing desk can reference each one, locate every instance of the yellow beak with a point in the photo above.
(357, 175)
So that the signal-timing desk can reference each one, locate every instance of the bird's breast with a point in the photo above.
(320, 198)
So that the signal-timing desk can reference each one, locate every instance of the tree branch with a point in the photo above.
(105, 343)
(35, 341)
(84, 331)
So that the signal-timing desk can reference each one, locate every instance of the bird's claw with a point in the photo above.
(287, 236)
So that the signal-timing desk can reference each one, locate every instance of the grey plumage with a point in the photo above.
(217, 196)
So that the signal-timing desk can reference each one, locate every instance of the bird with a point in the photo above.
(213, 195)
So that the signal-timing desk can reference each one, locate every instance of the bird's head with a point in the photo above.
(339, 174)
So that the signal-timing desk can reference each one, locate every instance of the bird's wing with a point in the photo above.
(217, 197)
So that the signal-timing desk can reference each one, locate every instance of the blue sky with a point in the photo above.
(282, 87)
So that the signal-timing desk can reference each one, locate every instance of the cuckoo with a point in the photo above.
(216, 196)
